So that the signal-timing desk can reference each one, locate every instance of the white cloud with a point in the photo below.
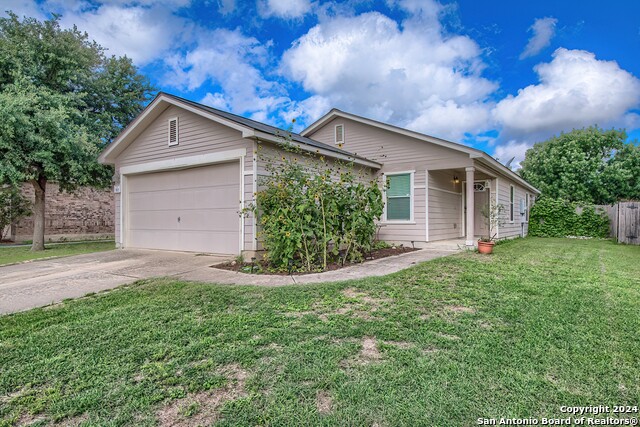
(543, 30)
(231, 61)
(305, 112)
(409, 75)
(216, 100)
(140, 32)
(286, 9)
(631, 121)
(511, 150)
(450, 120)
(22, 8)
(575, 90)
(141, 29)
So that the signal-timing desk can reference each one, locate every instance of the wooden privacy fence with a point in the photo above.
(624, 221)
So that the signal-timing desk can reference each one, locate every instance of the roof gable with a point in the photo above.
(249, 128)
(150, 113)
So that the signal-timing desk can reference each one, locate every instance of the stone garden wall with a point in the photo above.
(86, 214)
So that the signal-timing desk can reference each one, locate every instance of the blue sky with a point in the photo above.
(499, 75)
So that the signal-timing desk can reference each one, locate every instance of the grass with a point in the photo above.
(539, 324)
(13, 254)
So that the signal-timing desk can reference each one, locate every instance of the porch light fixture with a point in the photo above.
(456, 180)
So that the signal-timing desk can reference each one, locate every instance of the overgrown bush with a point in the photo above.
(312, 210)
(13, 207)
(560, 218)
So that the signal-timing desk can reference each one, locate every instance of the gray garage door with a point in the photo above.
(186, 210)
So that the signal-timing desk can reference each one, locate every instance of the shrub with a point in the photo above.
(312, 210)
(560, 218)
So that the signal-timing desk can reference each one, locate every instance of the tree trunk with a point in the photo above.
(40, 186)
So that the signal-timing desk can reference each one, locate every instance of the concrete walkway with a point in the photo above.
(378, 267)
(39, 283)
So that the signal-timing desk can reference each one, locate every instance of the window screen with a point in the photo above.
(399, 197)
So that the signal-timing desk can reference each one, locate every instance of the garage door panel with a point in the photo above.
(149, 239)
(209, 198)
(154, 182)
(153, 200)
(226, 242)
(206, 199)
(218, 220)
(154, 220)
(223, 174)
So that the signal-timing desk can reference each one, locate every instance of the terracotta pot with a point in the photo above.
(485, 247)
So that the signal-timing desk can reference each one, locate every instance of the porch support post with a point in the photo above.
(470, 206)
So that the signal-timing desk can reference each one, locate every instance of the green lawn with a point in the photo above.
(10, 255)
(539, 324)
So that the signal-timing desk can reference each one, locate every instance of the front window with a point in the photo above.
(399, 197)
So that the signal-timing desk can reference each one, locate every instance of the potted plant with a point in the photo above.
(492, 214)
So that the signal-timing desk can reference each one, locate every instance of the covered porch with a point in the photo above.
(450, 193)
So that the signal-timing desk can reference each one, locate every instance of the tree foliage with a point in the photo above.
(311, 209)
(589, 165)
(61, 101)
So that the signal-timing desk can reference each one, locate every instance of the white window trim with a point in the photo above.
(526, 208)
(184, 162)
(335, 134)
(411, 219)
(169, 132)
(512, 204)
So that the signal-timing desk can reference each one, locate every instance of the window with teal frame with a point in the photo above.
(399, 197)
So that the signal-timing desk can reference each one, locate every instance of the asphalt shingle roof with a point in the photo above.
(262, 127)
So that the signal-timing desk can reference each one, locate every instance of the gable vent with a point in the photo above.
(173, 131)
(339, 134)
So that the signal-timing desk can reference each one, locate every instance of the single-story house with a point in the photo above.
(183, 171)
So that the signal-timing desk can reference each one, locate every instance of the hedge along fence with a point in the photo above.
(561, 218)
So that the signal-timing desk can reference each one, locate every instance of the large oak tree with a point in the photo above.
(62, 99)
(585, 165)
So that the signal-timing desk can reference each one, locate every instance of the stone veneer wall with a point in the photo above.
(87, 213)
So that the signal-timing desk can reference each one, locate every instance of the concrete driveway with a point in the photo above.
(39, 283)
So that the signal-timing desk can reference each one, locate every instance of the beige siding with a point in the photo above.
(511, 228)
(403, 153)
(197, 135)
(392, 149)
(445, 207)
